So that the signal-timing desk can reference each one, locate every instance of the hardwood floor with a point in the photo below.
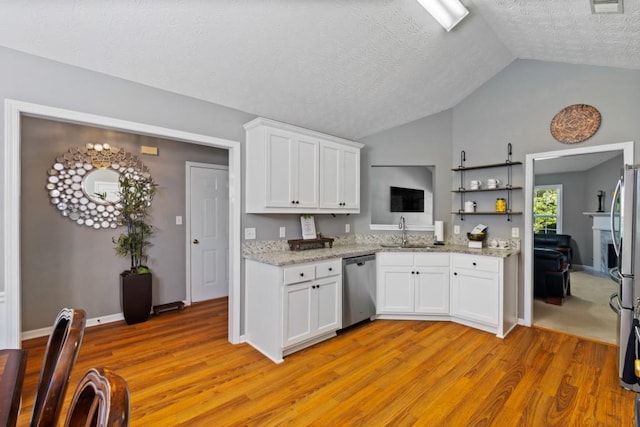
(182, 370)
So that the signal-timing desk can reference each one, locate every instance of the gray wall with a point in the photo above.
(579, 190)
(414, 177)
(426, 141)
(66, 264)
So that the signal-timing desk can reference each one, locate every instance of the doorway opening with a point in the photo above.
(535, 164)
(14, 110)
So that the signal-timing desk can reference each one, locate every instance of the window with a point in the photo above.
(547, 209)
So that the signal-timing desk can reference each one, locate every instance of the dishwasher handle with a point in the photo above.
(358, 260)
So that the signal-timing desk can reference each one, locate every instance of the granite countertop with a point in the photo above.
(281, 258)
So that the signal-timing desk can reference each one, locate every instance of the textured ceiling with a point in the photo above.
(346, 67)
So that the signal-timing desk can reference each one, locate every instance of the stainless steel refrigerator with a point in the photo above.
(625, 212)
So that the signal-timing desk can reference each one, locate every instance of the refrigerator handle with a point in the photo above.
(616, 307)
(616, 192)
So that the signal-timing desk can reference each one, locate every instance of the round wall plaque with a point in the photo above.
(575, 123)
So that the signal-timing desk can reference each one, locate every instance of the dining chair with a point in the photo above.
(101, 399)
(59, 358)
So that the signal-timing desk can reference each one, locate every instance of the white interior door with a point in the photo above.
(208, 223)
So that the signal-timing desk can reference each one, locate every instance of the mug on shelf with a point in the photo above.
(470, 206)
(493, 183)
(475, 184)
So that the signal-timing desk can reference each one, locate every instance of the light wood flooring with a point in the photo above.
(182, 370)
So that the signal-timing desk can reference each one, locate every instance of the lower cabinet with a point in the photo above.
(311, 309)
(412, 283)
(484, 292)
(290, 308)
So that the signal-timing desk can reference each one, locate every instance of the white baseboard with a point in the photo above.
(43, 332)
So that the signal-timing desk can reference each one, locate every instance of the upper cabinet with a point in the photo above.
(295, 170)
(339, 176)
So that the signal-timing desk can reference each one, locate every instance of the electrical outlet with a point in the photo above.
(178, 220)
(515, 232)
(249, 233)
(347, 228)
(456, 229)
(283, 231)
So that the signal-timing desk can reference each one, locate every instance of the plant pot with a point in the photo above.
(136, 297)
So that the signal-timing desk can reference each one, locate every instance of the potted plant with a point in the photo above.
(136, 192)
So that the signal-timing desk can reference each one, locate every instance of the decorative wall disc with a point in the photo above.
(83, 183)
(575, 123)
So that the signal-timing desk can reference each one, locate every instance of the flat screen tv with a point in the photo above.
(406, 200)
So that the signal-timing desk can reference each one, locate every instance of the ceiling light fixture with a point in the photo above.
(447, 12)
(606, 6)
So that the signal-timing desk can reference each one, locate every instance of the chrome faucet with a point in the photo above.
(403, 226)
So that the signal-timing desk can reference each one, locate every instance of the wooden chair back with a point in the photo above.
(101, 399)
(59, 358)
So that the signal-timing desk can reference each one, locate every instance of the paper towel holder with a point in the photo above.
(438, 233)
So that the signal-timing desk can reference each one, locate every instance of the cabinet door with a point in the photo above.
(328, 295)
(350, 178)
(291, 179)
(297, 316)
(305, 175)
(279, 173)
(339, 176)
(330, 166)
(432, 290)
(474, 295)
(395, 290)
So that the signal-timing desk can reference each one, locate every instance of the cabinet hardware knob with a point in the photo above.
(293, 202)
(297, 202)
(455, 274)
(301, 274)
(196, 241)
(474, 264)
(417, 272)
(330, 269)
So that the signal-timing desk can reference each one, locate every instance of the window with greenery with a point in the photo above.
(547, 209)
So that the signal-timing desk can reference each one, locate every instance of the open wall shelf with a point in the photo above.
(507, 188)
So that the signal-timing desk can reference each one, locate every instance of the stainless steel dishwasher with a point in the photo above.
(358, 289)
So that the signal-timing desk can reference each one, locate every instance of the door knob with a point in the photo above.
(196, 241)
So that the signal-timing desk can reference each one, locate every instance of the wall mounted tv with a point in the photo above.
(406, 199)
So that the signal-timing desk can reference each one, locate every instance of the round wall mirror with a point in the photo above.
(83, 183)
(101, 186)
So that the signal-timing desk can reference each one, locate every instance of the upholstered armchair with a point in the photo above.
(557, 242)
(551, 279)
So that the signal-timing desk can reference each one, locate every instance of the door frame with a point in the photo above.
(11, 188)
(187, 220)
(627, 149)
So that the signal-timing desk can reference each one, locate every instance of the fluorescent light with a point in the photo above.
(606, 6)
(447, 12)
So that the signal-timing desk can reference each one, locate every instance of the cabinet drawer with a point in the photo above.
(431, 260)
(394, 259)
(330, 268)
(299, 274)
(481, 263)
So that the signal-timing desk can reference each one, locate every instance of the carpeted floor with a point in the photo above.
(585, 313)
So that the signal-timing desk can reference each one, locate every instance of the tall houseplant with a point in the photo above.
(136, 193)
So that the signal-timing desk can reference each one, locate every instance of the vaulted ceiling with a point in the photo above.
(345, 67)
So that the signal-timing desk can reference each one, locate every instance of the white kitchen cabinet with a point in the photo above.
(286, 173)
(340, 176)
(412, 283)
(484, 292)
(291, 175)
(290, 308)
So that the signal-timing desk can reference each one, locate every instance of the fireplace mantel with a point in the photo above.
(601, 237)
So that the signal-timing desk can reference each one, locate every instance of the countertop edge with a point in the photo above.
(284, 258)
